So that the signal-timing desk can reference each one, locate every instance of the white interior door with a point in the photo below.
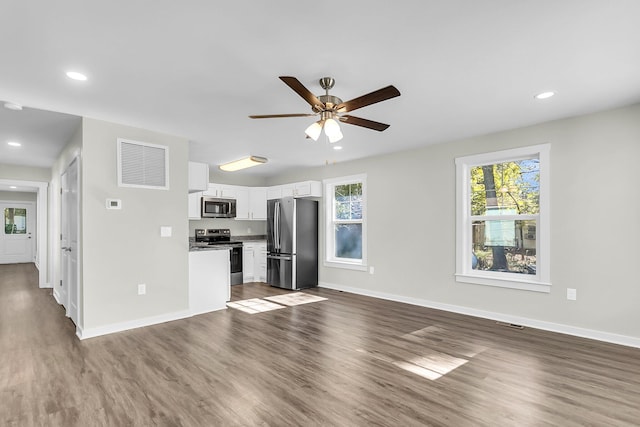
(18, 233)
(69, 241)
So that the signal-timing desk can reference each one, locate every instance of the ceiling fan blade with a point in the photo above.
(301, 90)
(276, 116)
(370, 124)
(368, 99)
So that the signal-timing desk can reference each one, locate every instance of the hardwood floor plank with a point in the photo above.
(347, 361)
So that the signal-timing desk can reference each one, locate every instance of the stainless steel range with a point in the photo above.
(222, 236)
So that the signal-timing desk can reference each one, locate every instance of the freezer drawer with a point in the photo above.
(280, 271)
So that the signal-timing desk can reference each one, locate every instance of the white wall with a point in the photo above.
(18, 196)
(594, 224)
(123, 248)
(24, 173)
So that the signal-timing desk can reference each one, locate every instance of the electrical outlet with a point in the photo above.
(142, 289)
(371, 270)
(572, 294)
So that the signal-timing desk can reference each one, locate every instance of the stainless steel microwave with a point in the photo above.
(218, 208)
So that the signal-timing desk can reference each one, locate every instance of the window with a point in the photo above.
(346, 227)
(15, 221)
(503, 219)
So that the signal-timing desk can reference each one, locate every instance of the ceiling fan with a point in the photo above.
(331, 108)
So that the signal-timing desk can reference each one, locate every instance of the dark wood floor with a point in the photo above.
(347, 361)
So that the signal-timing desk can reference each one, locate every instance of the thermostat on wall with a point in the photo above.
(114, 204)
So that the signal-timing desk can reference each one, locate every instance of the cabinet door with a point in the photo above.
(229, 191)
(213, 190)
(243, 207)
(194, 205)
(221, 191)
(274, 192)
(258, 203)
(248, 262)
(287, 190)
(308, 189)
(198, 177)
(260, 268)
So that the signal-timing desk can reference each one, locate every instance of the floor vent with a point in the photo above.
(510, 325)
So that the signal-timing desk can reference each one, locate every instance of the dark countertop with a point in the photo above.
(251, 238)
(193, 246)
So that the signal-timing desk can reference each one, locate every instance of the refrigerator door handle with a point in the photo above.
(276, 221)
(282, 257)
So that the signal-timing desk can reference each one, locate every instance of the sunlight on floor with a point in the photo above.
(260, 305)
(254, 305)
(296, 298)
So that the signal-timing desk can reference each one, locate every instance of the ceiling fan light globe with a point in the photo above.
(314, 130)
(332, 130)
(335, 137)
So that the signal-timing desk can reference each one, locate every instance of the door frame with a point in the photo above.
(42, 241)
(32, 228)
(74, 314)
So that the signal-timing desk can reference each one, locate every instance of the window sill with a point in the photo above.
(525, 285)
(345, 265)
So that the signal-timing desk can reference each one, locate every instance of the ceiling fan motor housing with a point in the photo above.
(329, 101)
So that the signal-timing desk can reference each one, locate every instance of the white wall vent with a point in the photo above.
(143, 165)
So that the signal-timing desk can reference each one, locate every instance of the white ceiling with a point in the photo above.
(197, 69)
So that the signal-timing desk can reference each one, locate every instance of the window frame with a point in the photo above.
(541, 281)
(329, 212)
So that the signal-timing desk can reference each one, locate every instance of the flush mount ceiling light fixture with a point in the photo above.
(12, 106)
(74, 75)
(247, 162)
(544, 95)
(14, 144)
(331, 108)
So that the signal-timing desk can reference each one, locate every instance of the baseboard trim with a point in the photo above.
(56, 296)
(532, 323)
(84, 334)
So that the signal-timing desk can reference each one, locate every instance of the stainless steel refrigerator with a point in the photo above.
(292, 243)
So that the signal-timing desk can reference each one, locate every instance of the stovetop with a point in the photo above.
(215, 236)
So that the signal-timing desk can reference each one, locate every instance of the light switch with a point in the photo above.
(165, 231)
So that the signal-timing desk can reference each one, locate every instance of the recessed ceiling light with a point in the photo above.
(76, 76)
(13, 187)
(12, 106)
(14, 144)
(544, 95)
(337, 147)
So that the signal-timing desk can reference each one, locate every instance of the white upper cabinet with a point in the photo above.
(198, 177)
(242, 203)
(194, 205)
(307, 189)
(222, 191)
(251, 203)
(258, 202)
(297, 189)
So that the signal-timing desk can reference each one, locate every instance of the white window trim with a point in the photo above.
(329, 260)
(541, 281)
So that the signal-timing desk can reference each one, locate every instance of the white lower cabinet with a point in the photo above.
(254, 262)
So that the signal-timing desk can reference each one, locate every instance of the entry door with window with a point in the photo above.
(18, 234)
